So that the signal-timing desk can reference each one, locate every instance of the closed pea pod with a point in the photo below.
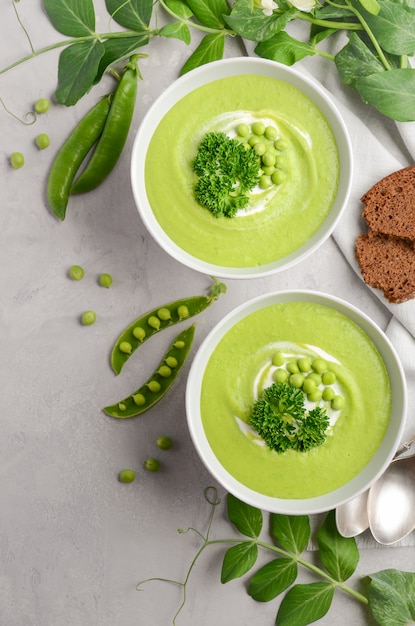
(158, 384)
(156, 320)
(115, 132)
(71, 155)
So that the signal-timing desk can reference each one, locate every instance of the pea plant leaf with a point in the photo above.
(393, 27)
(78, 67)
(371, 6)
(392, 93)
(338, 554)
(133, 15)
(238, 560)
(272, 579)
(246, 518)
(176, 30)
(251, 23)
(75, 18)
(211, 48)
(209, 12)
(304, 604)
(355, 60)
(391, 597)
(291, 531)
(179, 8)
(115, 50)
(284, 49)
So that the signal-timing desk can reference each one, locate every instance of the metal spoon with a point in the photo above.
(391, 500)
(352, 517)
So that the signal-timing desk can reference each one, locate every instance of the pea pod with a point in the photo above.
(153, 321)
(71, 155)
(159, 383)
(115, 132)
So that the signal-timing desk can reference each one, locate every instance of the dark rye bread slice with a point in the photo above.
(390, 204)
(387, 263)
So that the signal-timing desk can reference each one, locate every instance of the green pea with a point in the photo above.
(105, 280)
(296, 380)
(42, 105)
(315, 396)
(88, 318)
(179, 345)
(280, 161)
(268, 170)
(164, 314)
(268, 158)
(139, 399)
(183, 312)
(278, 358)
(304, 364)
(126, 476)
(260, 148)
(292, 367)
(278, 177)
(154, 322)
(328, 394)
(280, 375)
(337, 403)
(309, 386)
(319, 366)
(270, 133)
(122, 406)
(253, 140)
(171, 361)
(16, 160)
(152, 465)
(42, 141)
(164, 443)
(154, 386)
(76, 272)
(328, 378)
(126, 347)
(265, 181)
(164, 371)
(258, 128)
(242, 130)
(316, 377)
(139, 333)
(281, 144)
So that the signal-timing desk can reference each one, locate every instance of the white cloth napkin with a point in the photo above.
(380, 147)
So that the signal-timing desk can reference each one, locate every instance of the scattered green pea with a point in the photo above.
(139, 333)
(16, 160)
(292, 367)
(154, 386)
(42, 105)
(315, 396)
(319, 366)
(328, 378)
(268, 158)
(268, 170)
(88, 318)
(164, 442)
(304, 364)
(316, 377)
(278, 359)
(42, 141)
(76, 272)
(139, 399)
(164, 314)
(164, 371)
(258, 128)
(265, 181)
(105, 280)
(297, 380)
(183, 312)
(253, 140)
(337, 403)
(242, 130)
(328, 394)
(281, 144)
(152, 465)
(270, 133)
(280, 161)
(278, 177)
(126, 347)
(126, 476)
(280, 375)
(154, 322)
(309, 386)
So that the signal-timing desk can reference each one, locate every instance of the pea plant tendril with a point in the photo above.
(387, 593)
(374, 60)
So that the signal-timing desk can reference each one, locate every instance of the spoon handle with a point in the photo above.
(405, 450)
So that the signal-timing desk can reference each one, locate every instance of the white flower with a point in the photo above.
(304, 5)
(268, 6)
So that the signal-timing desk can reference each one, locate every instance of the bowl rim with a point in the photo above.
(208, 73)
(376, 465)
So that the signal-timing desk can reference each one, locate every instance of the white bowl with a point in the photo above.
(200, 77)
(256, 497)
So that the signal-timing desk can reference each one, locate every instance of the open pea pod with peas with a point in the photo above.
(156, 320)
(103, 131)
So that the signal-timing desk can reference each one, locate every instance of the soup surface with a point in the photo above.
(241, 366)
(278, 221)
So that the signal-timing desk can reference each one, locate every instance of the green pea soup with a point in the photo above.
(278, 221)
(236, 373)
